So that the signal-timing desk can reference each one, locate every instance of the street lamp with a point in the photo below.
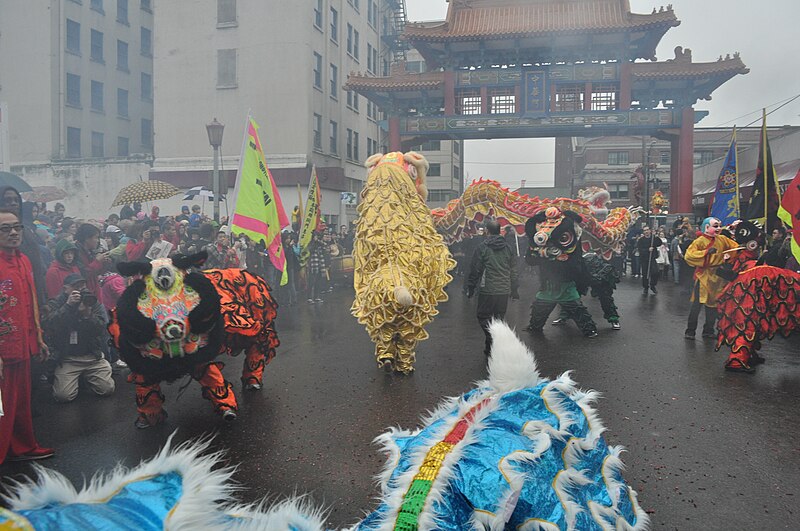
(647, 180)
(214, 130)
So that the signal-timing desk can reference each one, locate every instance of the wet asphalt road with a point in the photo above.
(706, 449)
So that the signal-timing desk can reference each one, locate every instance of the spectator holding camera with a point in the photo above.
(91, 263)
(76, 328)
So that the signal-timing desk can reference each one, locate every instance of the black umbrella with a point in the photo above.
(9, 179)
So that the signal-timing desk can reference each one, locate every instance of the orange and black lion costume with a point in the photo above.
(173, 322)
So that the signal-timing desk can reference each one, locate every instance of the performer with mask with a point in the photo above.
(706, 254)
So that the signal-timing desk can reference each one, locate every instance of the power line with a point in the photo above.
(785, 102)
(511, 163)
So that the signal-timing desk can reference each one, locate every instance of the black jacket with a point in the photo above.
(69, 336)
(493, 268)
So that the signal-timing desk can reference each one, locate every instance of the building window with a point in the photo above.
(372, 14)
(617, 158)
(703, 157)
(73, 90)
(226, 13)
(370, 62)
(456, 174)
(502, 101)
(666, 158)
(318, 14)
(122, 103)
(98, 150)
(352, 100)
(147, 87)
(97, 96)
(349, 144)
(317, 132)
(618, 191)
(146, 5)
(122, 146)
(334, 138)
(372, 147)
(73, 37)
(435, 170)
(350, 39)
(334, 81)
(334, 25)
(147, 132)
(122, 56)
(355, 44)
(605, 97)
(569, 98)
(97, 5)
(73, 142)
(147, 42)
(468, 101)
(97, 46)
(226, 68)
(122, 11)
(317, 70)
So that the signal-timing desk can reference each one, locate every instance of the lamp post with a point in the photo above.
(215, 130)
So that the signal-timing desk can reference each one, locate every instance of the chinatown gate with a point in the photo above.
(548, 68)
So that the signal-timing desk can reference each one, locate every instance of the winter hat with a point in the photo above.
(72, 279)
(113, 229)
(62, 246)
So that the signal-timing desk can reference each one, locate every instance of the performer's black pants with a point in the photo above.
(490, 307)
(709, 327)
(654, 274)
(606, 296)
(575, 310)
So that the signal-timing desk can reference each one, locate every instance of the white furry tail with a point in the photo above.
(511, 365)
(403, 296)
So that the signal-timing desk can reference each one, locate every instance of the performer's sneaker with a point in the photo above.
(34, 455)
(559, 322)
(644, 292)
(310, 300)
(615, 326)
(709, 335)
(756, 359)
(689, 334)
(653, 289)
(229, 415)
(386, 365)
(253, 386)
(591, 335)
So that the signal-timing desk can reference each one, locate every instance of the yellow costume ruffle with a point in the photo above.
(706, 265)
(396, 246)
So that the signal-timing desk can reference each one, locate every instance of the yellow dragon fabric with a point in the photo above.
(401, 262)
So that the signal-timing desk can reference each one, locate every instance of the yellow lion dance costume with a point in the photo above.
(401, 262)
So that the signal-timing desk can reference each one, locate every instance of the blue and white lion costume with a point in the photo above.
(518, 452)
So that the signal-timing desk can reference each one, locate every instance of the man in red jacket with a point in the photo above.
(20, 339)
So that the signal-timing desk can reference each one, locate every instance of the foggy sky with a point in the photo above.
(763, 32)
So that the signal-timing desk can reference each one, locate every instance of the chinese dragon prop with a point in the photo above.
(174, 322)
(760, 301)
(518, 451)
(401, 263)
(487, 198)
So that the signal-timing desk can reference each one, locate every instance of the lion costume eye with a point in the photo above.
(566, 239)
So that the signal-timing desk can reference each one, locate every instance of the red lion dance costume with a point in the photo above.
(759, 302)
(173, 322)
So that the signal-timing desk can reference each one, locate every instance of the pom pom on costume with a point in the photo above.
(517, 452)
(401, 263)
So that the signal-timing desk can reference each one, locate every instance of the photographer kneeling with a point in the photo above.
(76, 328)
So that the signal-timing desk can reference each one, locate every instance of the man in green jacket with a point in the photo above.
(493, 272)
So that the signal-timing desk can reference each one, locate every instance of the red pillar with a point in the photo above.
(484, 100)
(625, 96)
(686, 163)
(674, 175)
(449, 93)
(587, 97)
(394, 134)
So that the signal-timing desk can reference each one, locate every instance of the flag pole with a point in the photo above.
(239, 171)
(300, 211)
(764, 169)
(736, 158)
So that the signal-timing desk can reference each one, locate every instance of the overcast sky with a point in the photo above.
(765, 33)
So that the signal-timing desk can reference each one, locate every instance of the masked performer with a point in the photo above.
(554, 238)
(706, 254)
(401, 263)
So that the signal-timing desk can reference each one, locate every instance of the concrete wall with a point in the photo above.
(91, 188)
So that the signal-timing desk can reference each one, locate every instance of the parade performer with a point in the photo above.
(706, 254)
(603, 281)
(401, 263)
(758, 303)
(554, 238)
(518, 451)
(175, 322)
